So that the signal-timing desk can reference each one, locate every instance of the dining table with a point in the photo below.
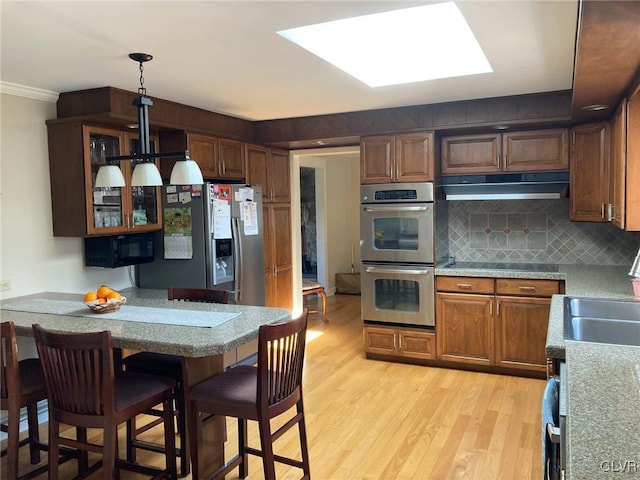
(200, 333)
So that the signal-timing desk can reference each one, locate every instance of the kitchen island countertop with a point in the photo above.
(186, 341)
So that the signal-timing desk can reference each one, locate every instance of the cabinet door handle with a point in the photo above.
(394, 340)
(391, 172)
(526, 288)
(610, 212)
(602, 210)
(464, 286)
(504, 161)
(400, 341)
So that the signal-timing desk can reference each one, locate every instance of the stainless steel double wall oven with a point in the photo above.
(402, 236)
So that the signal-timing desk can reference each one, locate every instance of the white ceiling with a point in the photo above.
(225, 56)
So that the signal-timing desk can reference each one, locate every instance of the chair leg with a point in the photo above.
(83, 459)
(34, 435)
(194, 425)
(182, 430)
(54, 448)
(109, 453)
(169, 436)
(323, 296)
(242, 447)
(266, 442)
(303, 439)
(130, 433)
(13, 442)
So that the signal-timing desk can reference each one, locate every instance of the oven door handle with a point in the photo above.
(408, 271)
(397, 208)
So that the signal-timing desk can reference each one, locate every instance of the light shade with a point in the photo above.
(109, 176)
(146, 175)
(186, 172)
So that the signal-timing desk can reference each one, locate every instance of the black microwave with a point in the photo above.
(118, 250)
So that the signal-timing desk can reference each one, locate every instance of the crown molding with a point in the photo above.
(28, 92)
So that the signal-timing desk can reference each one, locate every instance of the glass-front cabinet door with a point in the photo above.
(117, 210)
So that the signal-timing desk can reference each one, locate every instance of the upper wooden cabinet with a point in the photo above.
(270, 169)
(624, 194)
(589, 169)
(76, 152)
(397, 158)
(528, 151)
(218, 158)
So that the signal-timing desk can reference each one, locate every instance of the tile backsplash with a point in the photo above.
(534, 231)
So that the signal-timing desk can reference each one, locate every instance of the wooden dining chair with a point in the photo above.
(84, 390)
(21, 385)
(259, 393)
(169, 366)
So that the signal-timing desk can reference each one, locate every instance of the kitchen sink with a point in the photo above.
(602, 320)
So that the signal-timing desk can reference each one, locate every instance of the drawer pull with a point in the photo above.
(527, 288)
(466, 286)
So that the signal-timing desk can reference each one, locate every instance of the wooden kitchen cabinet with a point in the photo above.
(278, 269)
(624, 194)
(589, 169)
(397, 158)
(502, 323)
(219, 159)
(76, 152)
(526, 151)
(270, 169)
(521, 332)
(399, 342)
(464, 328)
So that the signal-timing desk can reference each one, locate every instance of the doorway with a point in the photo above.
(308, 222)
(334, 176)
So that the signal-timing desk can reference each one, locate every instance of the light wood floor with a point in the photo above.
(370, 419)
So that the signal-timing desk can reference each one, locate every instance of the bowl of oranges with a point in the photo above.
(104, 300)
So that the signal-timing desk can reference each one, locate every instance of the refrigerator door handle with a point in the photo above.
(237, 258)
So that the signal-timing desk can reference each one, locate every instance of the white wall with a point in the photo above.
(343, 215)
(31, 258)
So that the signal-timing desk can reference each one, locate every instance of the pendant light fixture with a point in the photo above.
(145, 173)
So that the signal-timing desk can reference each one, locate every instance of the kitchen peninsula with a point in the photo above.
(202, 349)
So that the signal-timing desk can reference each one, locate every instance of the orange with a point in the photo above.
(90, 297)
(113, 295)
(102, 300)
(103, 291)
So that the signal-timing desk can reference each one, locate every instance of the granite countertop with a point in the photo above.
(603, 380)
(154, 337)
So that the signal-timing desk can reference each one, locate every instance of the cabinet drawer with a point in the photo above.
(465, 285)
(526, 287)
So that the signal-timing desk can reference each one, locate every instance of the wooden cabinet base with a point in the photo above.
(458, 366)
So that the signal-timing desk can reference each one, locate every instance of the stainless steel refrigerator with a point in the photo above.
(212, 238)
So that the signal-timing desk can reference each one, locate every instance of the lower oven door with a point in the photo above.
(396, 293)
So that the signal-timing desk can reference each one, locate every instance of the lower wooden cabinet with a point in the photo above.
(464, 326)
(504, 327)
(399, 342)
(521, 332)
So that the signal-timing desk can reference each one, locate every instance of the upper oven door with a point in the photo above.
(397, 233)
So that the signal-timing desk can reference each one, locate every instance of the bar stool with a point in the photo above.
(84, 391)
(168, 366)
(22, 386)
(260, 393)
(310, 287)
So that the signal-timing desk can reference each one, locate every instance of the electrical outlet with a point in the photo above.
(5, 285)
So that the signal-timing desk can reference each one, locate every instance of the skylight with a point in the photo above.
(401, 46)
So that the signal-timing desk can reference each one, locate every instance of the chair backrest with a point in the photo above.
(203, 295)
(10, 381)
(79, 374)
(281, 349)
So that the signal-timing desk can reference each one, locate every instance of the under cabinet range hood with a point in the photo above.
(506, 186)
